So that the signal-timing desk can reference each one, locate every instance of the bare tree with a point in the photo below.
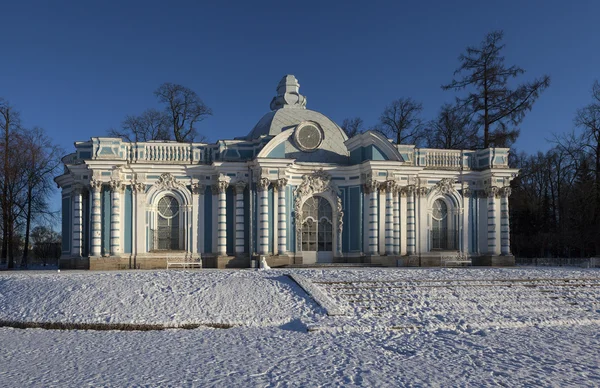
(41, 162)
(452, 129)
(588, 119)
(150, 125)
(10, 125)
(490, 99)
(184, 110)
(401, 121)
(353, 126)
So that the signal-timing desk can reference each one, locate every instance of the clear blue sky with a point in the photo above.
(76, 68)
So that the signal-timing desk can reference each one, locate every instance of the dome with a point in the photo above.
(289, 112)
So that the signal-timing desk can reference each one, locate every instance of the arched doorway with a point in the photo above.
(168, 215)
(317, 231)
(443, 236)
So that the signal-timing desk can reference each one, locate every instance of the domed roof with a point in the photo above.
(288, 110)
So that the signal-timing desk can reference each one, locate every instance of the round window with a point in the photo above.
(168, 207)
(308, 136)
(439, 210)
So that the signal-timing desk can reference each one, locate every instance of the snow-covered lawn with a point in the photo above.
(426, 327)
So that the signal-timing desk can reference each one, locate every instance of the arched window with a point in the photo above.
(317, 225)
(440, 234)
(168, 224)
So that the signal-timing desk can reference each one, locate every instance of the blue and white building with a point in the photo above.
(295, 190)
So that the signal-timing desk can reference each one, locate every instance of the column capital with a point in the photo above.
(263, 184)
(492, 192)
(467, 192)
(77, 188)
(198, 188)
(239, 187)
(410, 190)
(388, 186)
(422, 191)
(117, 186)
(371, 187)
(138, 188)
(280, 184)
(219, 187)
(505, 192)
(95, 185)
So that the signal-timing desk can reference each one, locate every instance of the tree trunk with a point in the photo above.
(27, 227)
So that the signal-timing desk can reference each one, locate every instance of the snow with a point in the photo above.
(445, 327)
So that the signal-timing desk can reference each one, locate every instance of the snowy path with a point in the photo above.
(448, 327)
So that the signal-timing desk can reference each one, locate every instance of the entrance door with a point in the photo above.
(317, 231)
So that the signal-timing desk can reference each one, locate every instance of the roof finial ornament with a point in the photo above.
(288, 95)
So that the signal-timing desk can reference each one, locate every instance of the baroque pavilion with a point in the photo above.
(296, 190)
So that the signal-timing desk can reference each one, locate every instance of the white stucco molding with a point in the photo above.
(377, 139)
(274, 142)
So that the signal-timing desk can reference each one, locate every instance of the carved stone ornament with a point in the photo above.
(466, 192)
(445, 186)
(280, 184)
(422, 191)
(239, 187)
(388, 186)
(492, 192)
(318, 182)
(168, 181)
(506, 191)
(371, 187)
(138, 188)
(96, 185)
(198, 188)
(222, 186)
(117, 186)
(263, 184)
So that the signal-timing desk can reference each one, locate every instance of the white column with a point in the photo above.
(239, 217)
(195, 209)
(396, 212)
(139, 224)
(466, 207)
(421, 228)
(371, 189)
(222, 219)
(95, 250)
(402, 223)
(491, 229)
(77, 223)
(263, 216)
(410, 220)
(200, 217)
(282, 217)
(505, 221)
(115, 218)
(388, 187)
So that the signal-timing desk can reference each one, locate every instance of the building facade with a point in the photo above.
(295, 190)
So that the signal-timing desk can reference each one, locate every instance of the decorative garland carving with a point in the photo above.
(168, 181)
(138, 188)
(445, 186)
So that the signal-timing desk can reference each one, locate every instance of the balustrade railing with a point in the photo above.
(160, 152)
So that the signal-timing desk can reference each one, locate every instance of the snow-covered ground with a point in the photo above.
(425, 327)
